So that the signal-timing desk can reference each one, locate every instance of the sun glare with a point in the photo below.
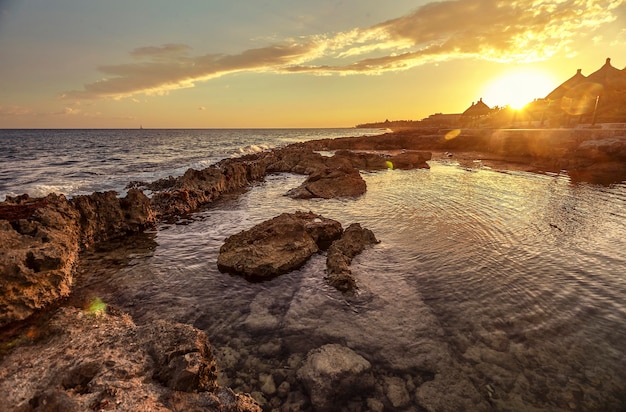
(518, 88)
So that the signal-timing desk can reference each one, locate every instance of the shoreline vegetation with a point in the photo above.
(169, 365)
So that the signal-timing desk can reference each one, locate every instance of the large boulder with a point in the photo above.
(330, 183)
(277, 246)
(99, 361)
(332, 374)
(340, 254)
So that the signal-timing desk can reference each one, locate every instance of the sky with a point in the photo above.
(289, 63)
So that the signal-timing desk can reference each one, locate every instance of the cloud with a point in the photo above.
(14, 111)
(497, 30)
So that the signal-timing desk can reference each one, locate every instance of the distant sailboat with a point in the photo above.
(141, 127)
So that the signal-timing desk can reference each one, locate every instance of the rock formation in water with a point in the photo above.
(330, 183)
(277, 246)
(40, 240)
(332, 373)
(284, 243)
(340, 254)
(100, 361)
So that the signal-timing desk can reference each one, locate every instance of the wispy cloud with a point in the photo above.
(518, 30)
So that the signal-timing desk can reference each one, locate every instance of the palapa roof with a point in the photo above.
(477, 109)
(567, 85)
(607, 78)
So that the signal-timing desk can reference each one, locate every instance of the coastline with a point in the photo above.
(188, 193)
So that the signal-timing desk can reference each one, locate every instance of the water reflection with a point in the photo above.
(508, 284)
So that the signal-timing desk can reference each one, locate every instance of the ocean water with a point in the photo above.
(506, 285)
(73, 162)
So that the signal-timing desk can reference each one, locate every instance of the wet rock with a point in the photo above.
(460, 394)
(406, 159)
(396, 392)
(410, 159)
(295, 159)
(334, 373)
(361, 160)
(283, 389)
(340, 254)
(277, 246)
(104, 216)
(268, 386)
(374, 405)
(104, 361)
(330, 183)
(196, 188)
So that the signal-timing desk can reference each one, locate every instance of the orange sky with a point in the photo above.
(286, 63)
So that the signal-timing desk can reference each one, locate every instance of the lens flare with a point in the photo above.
(453, 134)
(97, 307)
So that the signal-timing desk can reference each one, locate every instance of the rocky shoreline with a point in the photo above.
(42, 239)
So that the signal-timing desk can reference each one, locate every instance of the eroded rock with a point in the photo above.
(340, 254)
(331, 183)
(277, 246)
(104, 361)
(40, 240)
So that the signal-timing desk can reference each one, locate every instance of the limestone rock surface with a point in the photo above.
(40, 240)
(277, 246)
(100, 361)
(340, 254)
(330, 183)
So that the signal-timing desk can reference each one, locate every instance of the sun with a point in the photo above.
(518, 88)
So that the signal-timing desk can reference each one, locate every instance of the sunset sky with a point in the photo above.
(288, 63)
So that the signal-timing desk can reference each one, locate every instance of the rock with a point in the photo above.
(406, 159)
(39, 244)
(396, 392)
(330, 183)
(104, 361)
(277, 246)
(332, 374)
(410, 159)
(283, 390)
(340, 254)
(40, 240)
(268, 387)
(374, 405)
(104, 216)
(196, 188)
(295, 159)
(361, 160)
(182, 356)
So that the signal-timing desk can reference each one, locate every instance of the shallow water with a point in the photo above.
(512, 283)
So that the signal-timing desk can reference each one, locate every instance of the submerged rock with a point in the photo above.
(94, 361)
(277, 246)
(340, 254)
(332, 373)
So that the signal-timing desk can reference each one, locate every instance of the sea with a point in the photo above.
(490, 289)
